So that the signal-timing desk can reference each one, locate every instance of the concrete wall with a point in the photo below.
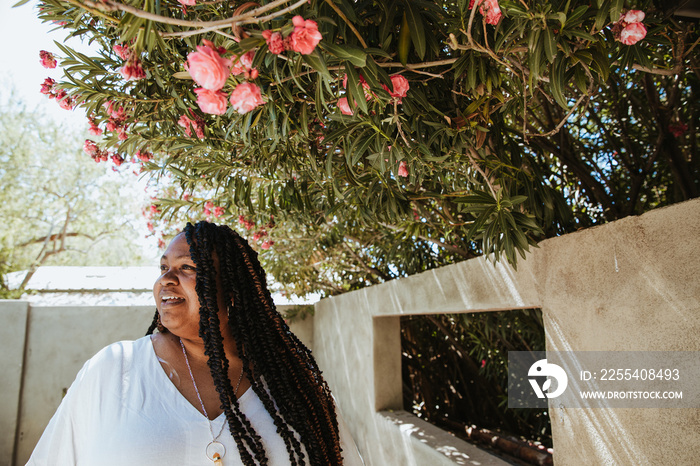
(629, 285)
(43, 348)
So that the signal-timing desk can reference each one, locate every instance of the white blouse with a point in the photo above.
(122, 409)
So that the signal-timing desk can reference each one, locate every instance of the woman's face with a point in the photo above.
(174, 291)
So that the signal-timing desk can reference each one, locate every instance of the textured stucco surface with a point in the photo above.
(629, 285)
(13, 322)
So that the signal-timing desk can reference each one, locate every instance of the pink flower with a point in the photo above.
(121, 133)
(678, 129)
(242, 64)
(491, 11)
(94, 129)
(259, 234)
(305, 36)
(117, 159)
(213, 102)
(208, 68)
(245, 97)
(633, 16)
(90, 148)
(186, 122)
(188, 2)
(46, 59)
(47, 86)
(633, 33)
(144, 157)
(400, 85)
(132, 70)
(344, 106)
(274, 40)
(403, 169)
(207, 207)
(266, 244)
(64, 101)
(114, 114)
(122, 51)
(218, 211)
(248, 224)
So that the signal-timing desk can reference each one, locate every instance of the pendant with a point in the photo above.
(216, 452)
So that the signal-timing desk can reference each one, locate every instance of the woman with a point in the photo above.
(223, 378)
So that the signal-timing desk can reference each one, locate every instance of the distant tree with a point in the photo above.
(59, 207)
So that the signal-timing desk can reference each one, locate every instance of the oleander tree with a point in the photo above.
(354, 142)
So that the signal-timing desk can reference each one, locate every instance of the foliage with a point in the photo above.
(455, 370)
(539, 124)
(58, 207)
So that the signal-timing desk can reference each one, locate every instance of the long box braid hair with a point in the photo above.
(294, 392)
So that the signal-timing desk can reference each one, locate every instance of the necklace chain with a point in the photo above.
(199, 397)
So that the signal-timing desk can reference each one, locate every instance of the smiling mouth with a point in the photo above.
(171, 300)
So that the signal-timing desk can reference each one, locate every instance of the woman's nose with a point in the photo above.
(168, 277)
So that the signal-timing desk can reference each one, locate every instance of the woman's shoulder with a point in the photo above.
(116, 358)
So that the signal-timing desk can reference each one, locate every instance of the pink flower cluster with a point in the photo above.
(117, 120)
(91, 149)
(489, 9)
(629, 28)
(188, 123)
(48, 87)
(400, 89)
(210, 70)
(209, 208)
(132, 69)
(94, 129)
(247, 224)
(47, 59)
(403, 169)
(260, 234)
(678, 128)
(143, 156)
(303, 39)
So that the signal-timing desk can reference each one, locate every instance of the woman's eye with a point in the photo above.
(188, 267)
(163, 267)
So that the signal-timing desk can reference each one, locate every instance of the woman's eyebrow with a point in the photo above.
(185, 256)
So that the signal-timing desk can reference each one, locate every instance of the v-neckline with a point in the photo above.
(155, 361)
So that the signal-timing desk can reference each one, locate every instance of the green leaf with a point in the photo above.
(616, 9)
(356, 94)
(315, 60)
(354, 55)
(415, 24)
(558, 81)
(550, 45)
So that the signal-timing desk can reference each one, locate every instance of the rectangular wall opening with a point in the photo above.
(454, 375)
